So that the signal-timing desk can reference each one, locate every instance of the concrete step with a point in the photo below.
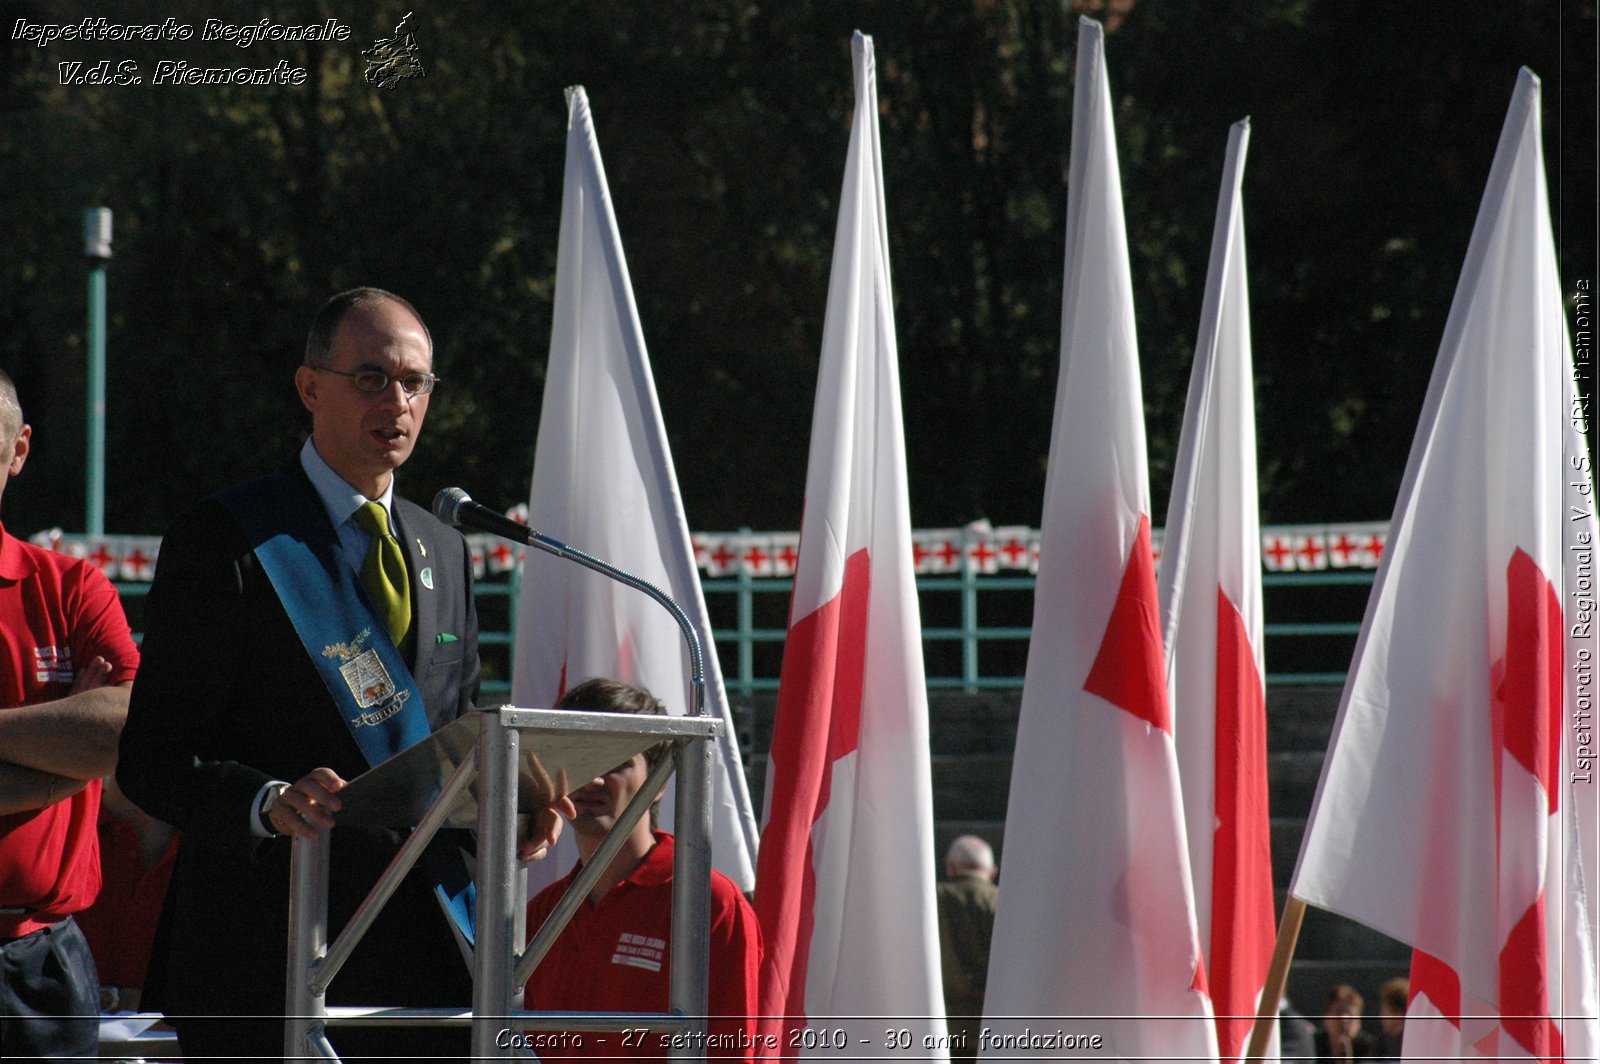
(1292, 782)
(1326, 936)
(1301, 718)
(971, 786)
(754, 715)
(972, 779)
(1287, 833)
(984, 723)
(1298, 719)
(965, 787)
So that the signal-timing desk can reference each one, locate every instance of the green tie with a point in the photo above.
(383, 572)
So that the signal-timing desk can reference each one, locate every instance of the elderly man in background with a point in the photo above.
(967, 900)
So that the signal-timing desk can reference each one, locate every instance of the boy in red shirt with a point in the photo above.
(615, 953)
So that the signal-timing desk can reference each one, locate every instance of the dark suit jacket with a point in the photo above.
(228, 699)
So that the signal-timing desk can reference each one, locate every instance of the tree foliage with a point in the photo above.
(723, 126)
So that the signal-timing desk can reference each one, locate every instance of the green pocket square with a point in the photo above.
(444, 637)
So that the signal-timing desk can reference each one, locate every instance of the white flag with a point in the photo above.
(603, 481)
(1444, 817)
(1096, 917)
(845, 890)
(1210, 586)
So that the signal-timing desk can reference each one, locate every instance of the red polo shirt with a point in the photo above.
(56, 613)
(615, 957)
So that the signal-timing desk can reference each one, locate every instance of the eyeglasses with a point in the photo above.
(373, 381)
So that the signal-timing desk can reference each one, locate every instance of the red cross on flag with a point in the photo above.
(603, 481)
(1210, 584)
(1015, 545)
(1098, 917)
(844, 887)
(721, 555)
(1346, 546)
(104, 558)
(1277, 553)
(1445, 813)
(1372, 549)
(136, 564)
(785, 553)
(1311, 551)
(937, 551)
(983, 554)
(756, 556)
(502, 559)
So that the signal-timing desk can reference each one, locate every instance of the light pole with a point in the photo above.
(97, 249)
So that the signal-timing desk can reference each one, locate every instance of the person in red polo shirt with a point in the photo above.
(67, 661)
(615, 954)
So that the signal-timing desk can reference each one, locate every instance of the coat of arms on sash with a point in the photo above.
(369, 682)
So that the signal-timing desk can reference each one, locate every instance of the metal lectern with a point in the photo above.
(477, 772)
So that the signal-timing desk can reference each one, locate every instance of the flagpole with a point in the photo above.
(1294, 911)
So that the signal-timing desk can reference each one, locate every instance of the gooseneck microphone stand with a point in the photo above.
(455, 507)
(691, 895)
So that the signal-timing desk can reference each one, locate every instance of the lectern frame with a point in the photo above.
(499, 968)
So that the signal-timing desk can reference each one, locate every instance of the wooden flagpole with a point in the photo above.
(1294, 911)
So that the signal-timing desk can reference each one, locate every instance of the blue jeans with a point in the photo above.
(49, 996)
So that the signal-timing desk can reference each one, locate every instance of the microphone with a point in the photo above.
(455, 507)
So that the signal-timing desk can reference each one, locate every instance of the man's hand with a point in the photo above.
(538, 832)
(305, 809)
(94, 675)
(1340, 1028)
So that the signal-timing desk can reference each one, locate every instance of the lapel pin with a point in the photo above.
(427, 578)
(423, 547)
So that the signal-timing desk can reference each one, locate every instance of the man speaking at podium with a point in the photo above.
(301, 629)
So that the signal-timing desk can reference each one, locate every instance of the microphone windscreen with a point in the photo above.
(447, 505)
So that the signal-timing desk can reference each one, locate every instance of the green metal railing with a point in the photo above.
(971, 634)
(964, 652)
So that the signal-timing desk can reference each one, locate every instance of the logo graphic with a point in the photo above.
(52, 664)
(639, 951)
(369, 682)
(392, 60)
